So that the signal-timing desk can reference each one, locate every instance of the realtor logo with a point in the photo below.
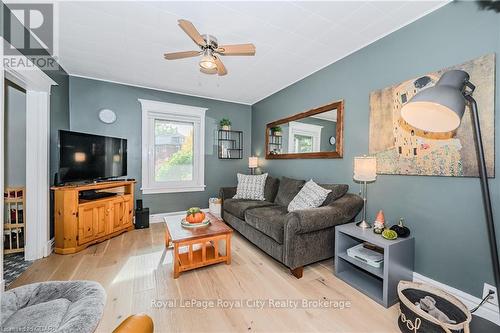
(29, 33)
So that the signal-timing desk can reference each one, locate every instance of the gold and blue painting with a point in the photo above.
(403, 150)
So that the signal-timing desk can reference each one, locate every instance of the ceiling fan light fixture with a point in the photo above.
(207, 61)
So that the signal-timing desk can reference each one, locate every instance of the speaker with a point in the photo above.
(142, 218)
(57, 181)
(138, 204)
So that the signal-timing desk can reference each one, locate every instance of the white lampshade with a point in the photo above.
(253, 162)
(365, 168)
(439, 108)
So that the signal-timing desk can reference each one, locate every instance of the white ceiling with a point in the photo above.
(125, 41)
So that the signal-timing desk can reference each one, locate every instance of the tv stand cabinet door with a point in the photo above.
(92, 222)
(119, 214)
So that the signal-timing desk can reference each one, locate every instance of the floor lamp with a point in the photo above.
(365, 170)
(440, 109)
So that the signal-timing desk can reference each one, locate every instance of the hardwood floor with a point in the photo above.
(136, 271)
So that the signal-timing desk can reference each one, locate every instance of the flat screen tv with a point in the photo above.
(88, 157)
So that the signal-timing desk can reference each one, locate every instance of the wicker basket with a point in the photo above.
(413, 319)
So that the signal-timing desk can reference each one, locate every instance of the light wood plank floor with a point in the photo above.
(136, 271)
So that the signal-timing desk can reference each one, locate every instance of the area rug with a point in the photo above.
(13, 266)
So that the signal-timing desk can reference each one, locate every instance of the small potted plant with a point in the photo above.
(225, 124)
(276, 131)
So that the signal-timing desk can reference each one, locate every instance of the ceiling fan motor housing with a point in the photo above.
(211, 42)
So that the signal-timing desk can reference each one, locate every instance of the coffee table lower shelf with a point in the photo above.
(198, 259)
(200, 253)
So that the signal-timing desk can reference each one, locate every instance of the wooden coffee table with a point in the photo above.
(198, 247)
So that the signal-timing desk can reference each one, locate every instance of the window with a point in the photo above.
(304, 138)
(303, 143)
(173, 141)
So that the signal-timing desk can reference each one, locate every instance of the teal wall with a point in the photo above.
(87, 97)
(445, 214)
(15, 137)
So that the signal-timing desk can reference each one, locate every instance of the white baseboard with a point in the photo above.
(486, 311)
(158, 218)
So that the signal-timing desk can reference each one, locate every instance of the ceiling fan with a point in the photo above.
(210, 62)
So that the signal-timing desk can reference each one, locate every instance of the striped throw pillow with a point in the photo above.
(310, 196)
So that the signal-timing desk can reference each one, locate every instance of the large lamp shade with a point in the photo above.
(439, 108)
(365, 168)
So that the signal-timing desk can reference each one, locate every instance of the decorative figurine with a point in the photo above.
(400, 229)
(379, 224)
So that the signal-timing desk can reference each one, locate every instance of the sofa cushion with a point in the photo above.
(268, 220)
(250, 187)
(337, 191)
(288, 189)
(238, 207)
(48, 315)
(271, 188)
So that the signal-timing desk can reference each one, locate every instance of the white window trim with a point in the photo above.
(157, 110)
(298, 128)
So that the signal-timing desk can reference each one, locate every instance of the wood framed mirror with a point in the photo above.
(317, 133)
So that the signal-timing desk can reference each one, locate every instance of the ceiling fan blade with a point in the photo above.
(237, 49)
(191, 31)
(208, 71)
(221, 69)
(180, 55)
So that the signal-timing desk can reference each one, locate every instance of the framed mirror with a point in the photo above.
(317, 133)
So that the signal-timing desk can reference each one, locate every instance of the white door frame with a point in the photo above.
(37, 85)
(2, 160)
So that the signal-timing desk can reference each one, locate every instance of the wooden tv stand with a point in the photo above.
(81, 223)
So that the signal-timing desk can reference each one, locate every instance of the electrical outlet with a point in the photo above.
(493, 299)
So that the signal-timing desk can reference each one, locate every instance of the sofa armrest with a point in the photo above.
(340, 211)
(227, 193)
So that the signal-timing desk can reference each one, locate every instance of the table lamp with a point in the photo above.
(365, 170)
(253, 163)
(440, 109)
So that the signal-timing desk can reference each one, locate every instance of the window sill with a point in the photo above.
(159, 190)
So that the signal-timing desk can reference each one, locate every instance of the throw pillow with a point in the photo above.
(338, 191)
(310, 196)
(271, 188)
(288, 189)
(251, 187)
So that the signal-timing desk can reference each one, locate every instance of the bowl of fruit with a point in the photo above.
(195, 218)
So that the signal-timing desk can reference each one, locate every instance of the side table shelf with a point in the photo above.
(380, 284)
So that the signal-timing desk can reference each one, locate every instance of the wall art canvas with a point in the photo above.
(403, 150)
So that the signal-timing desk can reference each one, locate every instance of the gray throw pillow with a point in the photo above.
(271, 188)
(250, 187)
(288, 189)
(338, 191)
(310, 196)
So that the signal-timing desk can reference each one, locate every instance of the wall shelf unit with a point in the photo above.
(275, 144)
(230, 144)
(13, 221)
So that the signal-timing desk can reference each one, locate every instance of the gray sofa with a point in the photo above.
(297, 238)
